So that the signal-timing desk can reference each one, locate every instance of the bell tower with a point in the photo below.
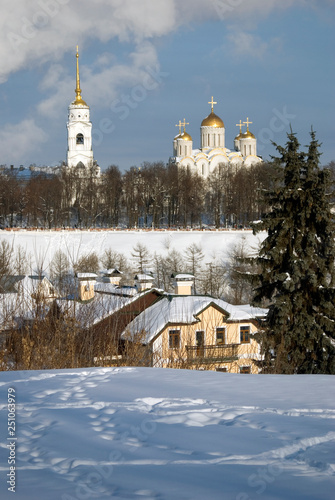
(79, 131)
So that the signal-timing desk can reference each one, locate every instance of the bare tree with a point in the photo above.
(240, 288)
(60, 272)
(141, 256)
(88, 263)
(21, 264)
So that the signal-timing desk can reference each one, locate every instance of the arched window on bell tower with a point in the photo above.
(80, 139)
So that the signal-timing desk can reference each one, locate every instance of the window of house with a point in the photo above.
(174, 339)
(245, 369)
(245, 334)
(80, 139)
(220, 335)
(224, 369)
(249, 149)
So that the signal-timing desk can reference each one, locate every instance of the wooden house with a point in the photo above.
(199, 332)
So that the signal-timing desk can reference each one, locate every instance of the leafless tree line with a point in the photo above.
(154, 195)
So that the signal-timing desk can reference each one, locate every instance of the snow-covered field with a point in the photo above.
(41, 245)
(146, 433)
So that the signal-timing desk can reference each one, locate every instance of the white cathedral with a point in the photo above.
(79, 135)
(212, 150)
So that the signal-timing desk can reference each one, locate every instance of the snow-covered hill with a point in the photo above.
(41, 245)
(146, 433)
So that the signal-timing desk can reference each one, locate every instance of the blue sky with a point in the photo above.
(146, 65)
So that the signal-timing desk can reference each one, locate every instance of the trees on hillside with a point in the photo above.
(297, 266)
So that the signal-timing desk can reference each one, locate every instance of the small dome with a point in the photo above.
(186, 136)
(238, 137)
(212, 120)
(179, 136)
(248, 135)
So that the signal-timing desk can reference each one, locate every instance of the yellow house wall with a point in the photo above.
(209, 320)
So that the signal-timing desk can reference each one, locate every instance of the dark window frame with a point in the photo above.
(223, 328)
(174, 339)
(245, 334)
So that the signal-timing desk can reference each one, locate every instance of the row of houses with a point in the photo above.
(170, 330)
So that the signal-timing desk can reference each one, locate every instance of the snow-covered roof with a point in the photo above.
(86, 276)
(143, 277)
(90, 313)
(110, 272)
(183, 277)
(255, 312)
(102, 306)
(180, 309)
(112, 289)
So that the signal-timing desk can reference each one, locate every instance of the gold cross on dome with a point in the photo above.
(179, 125)
(212, 102)
(247, 124)
(240, 125)
(184, 123)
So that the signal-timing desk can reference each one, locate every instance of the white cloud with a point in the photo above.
(19, 139)
(39, 30)
(43, 30)
(244, 44)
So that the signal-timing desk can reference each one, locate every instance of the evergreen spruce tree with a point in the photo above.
(297, 266)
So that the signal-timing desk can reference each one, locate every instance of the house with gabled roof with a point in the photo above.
(199, 332)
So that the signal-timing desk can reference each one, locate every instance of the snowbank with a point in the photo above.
(145, 433)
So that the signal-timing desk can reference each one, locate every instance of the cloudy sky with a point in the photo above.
(147, 64)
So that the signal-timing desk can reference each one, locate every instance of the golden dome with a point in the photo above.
(179, 136)
(238, 137)
(186, 136)
(212, 120)
(248, 135)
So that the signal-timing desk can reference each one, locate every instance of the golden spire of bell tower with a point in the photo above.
(79, 100)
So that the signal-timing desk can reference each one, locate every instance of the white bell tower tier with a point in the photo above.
(79, 132)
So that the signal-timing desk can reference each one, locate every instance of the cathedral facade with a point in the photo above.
(212, 150)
